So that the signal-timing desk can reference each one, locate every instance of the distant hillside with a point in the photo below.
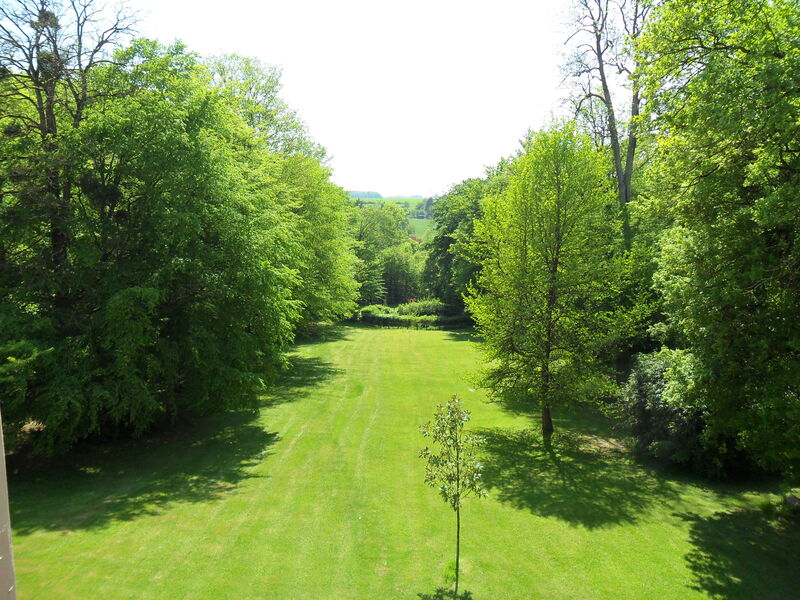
(418, 207)
(365, 195)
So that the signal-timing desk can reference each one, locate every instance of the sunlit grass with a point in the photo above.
(321, 495)
(421, 228)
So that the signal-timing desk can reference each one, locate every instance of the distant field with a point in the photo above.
(409, 203)
(321, 496)
(422, 228)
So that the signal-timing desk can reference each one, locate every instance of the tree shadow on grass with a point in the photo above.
(305, 374)
(320, 333)
(583, 480)
(462, 335)
(199, 461)
(445, 594)
(585, 418)
(96, 485)
(744, 554)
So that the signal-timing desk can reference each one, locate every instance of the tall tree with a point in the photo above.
(180, 263)
(326, 285)
(546, 249)
(402, 271)
(449, 270)
(604, 31)
(448, 273)
(254, 88)
(326, 265)
(723, 79)
(376, 229)
(48, 52)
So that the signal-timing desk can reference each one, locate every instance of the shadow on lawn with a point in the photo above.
(462, 335)
(744, 554)
(202, 461)
(97, 485)
(304, 375)
(574, 417)
(320, 333)
(445, 594)
(581, 479)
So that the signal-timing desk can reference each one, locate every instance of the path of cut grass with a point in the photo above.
(320, 496)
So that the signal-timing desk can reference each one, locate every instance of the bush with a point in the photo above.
(426, 306)
(387, 316)
(375, 309)
(395, 320)
(667, 423)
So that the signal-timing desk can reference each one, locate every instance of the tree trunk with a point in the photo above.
(622, 174)
(458, 546)
(547, 422)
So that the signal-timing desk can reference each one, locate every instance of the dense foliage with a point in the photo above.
(707, 183)
(422, 314)
(665, 425)
(447, 272)
(158, 247)
(723, 79)
(390, 268)
(423, 306)
(544, 297)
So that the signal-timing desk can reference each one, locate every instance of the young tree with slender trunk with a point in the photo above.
(453, 470)
(543, 299)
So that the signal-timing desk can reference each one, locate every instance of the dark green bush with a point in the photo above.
(666, 420)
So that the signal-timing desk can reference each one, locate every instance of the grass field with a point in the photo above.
(422, 228)
(320, 496)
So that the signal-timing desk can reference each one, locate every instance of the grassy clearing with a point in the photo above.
(320, 495)
(421, 228)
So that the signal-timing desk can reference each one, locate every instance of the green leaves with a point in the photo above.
(449, 271)
(190, 252)
(724, 77)
(452, 467)
(548, 248)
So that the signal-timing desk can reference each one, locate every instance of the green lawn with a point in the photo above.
(320, 496)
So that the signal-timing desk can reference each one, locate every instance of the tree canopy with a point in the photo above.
(546, 250)
(163, 231)
(723, 78)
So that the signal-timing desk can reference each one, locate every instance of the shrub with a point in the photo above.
(386, 316)
(375, 309)
(395, 320)
(667, 421)
(426, 306)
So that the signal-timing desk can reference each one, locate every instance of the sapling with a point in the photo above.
(452, 467)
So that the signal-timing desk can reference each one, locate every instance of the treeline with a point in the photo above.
(390, 263)
(645, 255)
(166, 225)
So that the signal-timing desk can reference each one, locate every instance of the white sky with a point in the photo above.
(408, 97)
